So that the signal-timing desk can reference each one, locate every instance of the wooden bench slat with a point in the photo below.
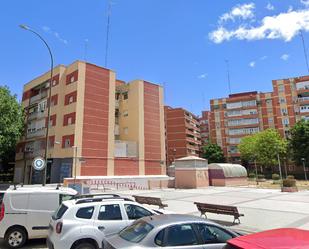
(218, 209)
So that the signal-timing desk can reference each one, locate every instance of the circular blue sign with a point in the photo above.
(38, 163)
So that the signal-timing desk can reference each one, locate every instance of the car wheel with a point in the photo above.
(85, 245)
(15, 237)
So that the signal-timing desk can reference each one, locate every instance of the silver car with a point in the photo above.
(171, 231)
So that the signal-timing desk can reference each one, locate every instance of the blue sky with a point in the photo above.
(181, 44)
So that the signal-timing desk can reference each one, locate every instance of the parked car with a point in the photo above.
(171, 231)
(25, 212)
(82, 223)
(283, 238)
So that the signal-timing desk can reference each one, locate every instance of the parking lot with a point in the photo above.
(263, 208)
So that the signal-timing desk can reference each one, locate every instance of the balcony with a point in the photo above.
(36, 133)
(38, 97)
(117, 133)
(125, 149)
(303, 99)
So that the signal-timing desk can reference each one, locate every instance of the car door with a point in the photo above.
(180, 236)
(135, 212)
(110, 219)
(213, 236)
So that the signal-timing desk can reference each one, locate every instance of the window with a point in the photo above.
(60, 212)
(125, 113)
(181, 235)
(125, 96)
(126, 130)
(282, 100)
(71, 99)
(135, 212)
(110, 212)
(136, 232)
(284, 111)
(85, 213)
(270, 120)
(69, 120)
(212, 234)
(72, 79)
(285, 121)
(159, 238)
(281, 88)
(42, 106)
(67, 143)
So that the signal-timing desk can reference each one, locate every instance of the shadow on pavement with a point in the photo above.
(31, 244)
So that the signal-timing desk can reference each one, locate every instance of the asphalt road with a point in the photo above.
(32, 244)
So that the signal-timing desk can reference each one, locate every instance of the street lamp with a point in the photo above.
(304, 165)
(25, 27)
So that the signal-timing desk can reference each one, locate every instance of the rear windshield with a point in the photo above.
(136, 232)
(60, 212)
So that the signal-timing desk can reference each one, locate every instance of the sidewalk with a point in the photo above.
(263, 208)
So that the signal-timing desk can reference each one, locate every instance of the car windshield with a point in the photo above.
(136, 232)
(60, 212)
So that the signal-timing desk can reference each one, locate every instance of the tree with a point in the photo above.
(247, 148)
(213, 153)
(263, 147)
(11, 122)
(299, 142)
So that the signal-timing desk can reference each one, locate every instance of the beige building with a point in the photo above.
(98, 125)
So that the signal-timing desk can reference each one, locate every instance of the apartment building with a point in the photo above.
(237, 116)
(291, 98)
(182, 134)
(204, 127)
(98, 126)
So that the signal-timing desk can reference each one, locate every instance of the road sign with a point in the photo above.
(38, 163)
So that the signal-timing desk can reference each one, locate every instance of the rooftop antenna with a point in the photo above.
(228, 75)
(109, 12)
(305, 50)
(86, 49)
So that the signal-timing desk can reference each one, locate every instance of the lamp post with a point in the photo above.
(75, 160)
(278, 156)
(304, 165)
(49, 95)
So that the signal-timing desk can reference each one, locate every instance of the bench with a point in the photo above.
(150, 201)
(218, 209)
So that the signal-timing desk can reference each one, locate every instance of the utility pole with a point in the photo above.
(305, 50)
(109, 12)
(228, 75)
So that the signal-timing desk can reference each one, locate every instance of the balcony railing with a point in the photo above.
(302, 99)
(38, 97)
(37, 133)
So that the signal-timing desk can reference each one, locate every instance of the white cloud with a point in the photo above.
(202, 76)
(305, 2)
(244, 11)
(252, 64)
(283, 26)
(264, 57)
(269, 6)
(285, 57)
(54, 33)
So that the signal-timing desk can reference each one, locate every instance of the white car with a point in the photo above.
(83, 223)
(25, 212)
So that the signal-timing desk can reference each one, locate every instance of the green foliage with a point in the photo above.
(290, 177)
(251, 175)
(275, 177)
(289, 183)
(263, 147)
(11, 121)
(299, 142)
(260, 176)
(213, 153)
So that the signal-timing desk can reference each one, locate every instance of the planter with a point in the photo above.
(289, 189)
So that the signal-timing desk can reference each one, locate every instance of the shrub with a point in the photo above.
(275, 177)
(290, 177)
(289, 183)
(251, 175)
(260, 176)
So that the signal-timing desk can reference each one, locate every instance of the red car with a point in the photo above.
(283, 238)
